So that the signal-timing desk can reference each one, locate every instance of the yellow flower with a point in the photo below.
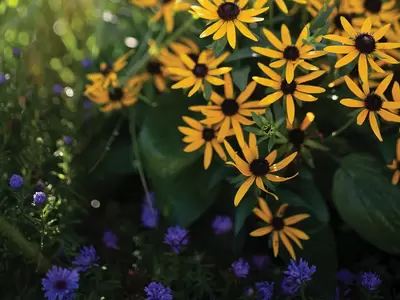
(289, 54)
(364, 45)
(195, 72)
(255, 168)
(280, 227)
(395, 165)
(227, 16)
(290, 91)
(116, 97)
(108, 72)
(315, 6)
(380, 12)
(230, 111)
(281, 4)
(344, 10)
(165, 8)
(198, 136)
(372, 103)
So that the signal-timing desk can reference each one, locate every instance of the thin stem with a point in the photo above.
(302, 294)
(341, 129)
(271, 14)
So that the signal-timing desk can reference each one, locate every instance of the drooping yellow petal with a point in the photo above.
(380, 90)
(243, 190)
(260, 184)
(287, 244)
(259, 213)
(293, 238)
(231, 33)
(352, 103)
(290, 108)
(347, 59)
(354, 88)
(363, 68)
(211, 29)
(389, 116)
(244, 30)
(275, 238)
(262, 231)
(218, 148)
(289, 72)
(374, 125)
(362, 116)
(265, 209)
(267, 52)
(283, 163)
(223, 131)
(276, 178)
(298, 233)
(295, 219)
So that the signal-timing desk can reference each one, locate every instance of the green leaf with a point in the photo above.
(243, 211)
(320, 20)
(315, 145)
(240, 77)
(240, 54)
(271, 143)
(256, 131)
(207, 90)
(218, 46)
(257, 118)
(367, 201)
(388, 148)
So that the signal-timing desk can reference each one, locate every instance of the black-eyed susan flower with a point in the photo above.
(198, 136)
(280, 227)
(289, 91)
(257, 169)
(371, 103)
(108, 72)
(227, 16)
(289, 54)
(344, 10)
(116, 97)
(164, 8)
(380, 12)
(280, 3)
(230, 111)
(363, 45)
(194, 72)
(395, 165)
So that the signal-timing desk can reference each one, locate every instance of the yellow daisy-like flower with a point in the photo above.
(281, 4)
(289, 91)
(230, 111)
(255, 168)
(363, 45)
(198, 135)
(372, 103)
(344, 10)
(227, 16)
(195, 72)
(165, 8)
(280, 227)
(108, 72)
(395, 165)
(380, 12)
(289, 54)
(117, 96)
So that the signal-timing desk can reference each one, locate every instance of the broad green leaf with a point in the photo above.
(218, 46)
(240, 77)
(367, 201)
(243, 211)
(240, 54)
(321, 18)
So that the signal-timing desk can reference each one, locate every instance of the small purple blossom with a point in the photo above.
(176, 237)
(296, 275)
(156, 291)
(264, 290)
(86, 63)
(249, 291)
(86, 259)
(150, 214)
(39, 186)
(67, 140)
(60, 283)
(260, 261)
(16, 51)
(3, 78)
(222, 224)
(16, 181)
(240, 268)
(87, 104)
(289, 286)
(346, 276)
(39, 198)
(58, 89)
(110, 239)
(370, 280)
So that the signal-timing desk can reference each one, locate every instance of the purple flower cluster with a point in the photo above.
(67, 140)
(156, 291)
(86, 259)
(370, 280)
(222, 224)
(110, 239)
(296, 275)
(16, 181)
(241, 268)
(60, 283)
(150, 214)
(176, 237)
(260, 261)
(264, 290)
(39, 198)
(3, 78)
(346, 276)
(58, 89)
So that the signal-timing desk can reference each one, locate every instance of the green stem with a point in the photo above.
(341, 129)
(271, 14)
(302, 293)
(28, 249)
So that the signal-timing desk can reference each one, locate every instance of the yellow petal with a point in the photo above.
(309, 118)
(347, 59)
(287, 244)
(271, 98)
(289, 71)
(261, 231)
(244, 30)
(228, 87)
(298, 233)
(246, 93)
(290, 108)
(384, 85)
(295, 219)
(243, 190)
(231, 34)
(275, 243)
(354, 88)
(362, 116)
(267, 52)
(273, 39)
(211, 29)
(374, 125)
(283, 163)
(363, 68)
(347, 27)
(265, 209)
(352, 103)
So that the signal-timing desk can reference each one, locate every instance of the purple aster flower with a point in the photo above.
(16, 52)
(290, 286)
(2, 78)
(222, 224)
(86, 63)
(58, 89)
(150, 213)
(176, 237)
(110, 239)
(67, 140)
(370, 280)
(39, 186)
(301, 272)
(260, 261)
(240, 268)
(249, 291)
(69, 296)
(60, 283)
(86, 258)
(39, 198)
(264, 290)
(346, 276)
(16, 181)
(156, 291)
(87, 104)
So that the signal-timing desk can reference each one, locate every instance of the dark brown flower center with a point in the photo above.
(288, 88)
(107, 70)
(208, 134)
(116, 94)
(296, 137)
(259, 167)
(60, 284)
(229, 107)
(193, 57)
(338, 23)
(228, 11)
(291, 53)
(278, 223)
(365, 43)
(154, 67)
(373, 102)
(373, 6)
(200, 70)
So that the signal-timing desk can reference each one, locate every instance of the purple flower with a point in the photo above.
(260, 261)
(39, 198)
(264, 290)
(16, 52)
(58, 89)
(370, 280)
(249, 291)
(86, 63)
(222, 224)
(87, 104)
(296, 275)
(240, 268)
(150, 214)
(3, 78)
(16, 181)
(60, 283)
(346, 276)
(176, 237)
(67, 140)
(290, 286)
(156, 291)
(39, 186)
(86, 259)
(110, 239)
